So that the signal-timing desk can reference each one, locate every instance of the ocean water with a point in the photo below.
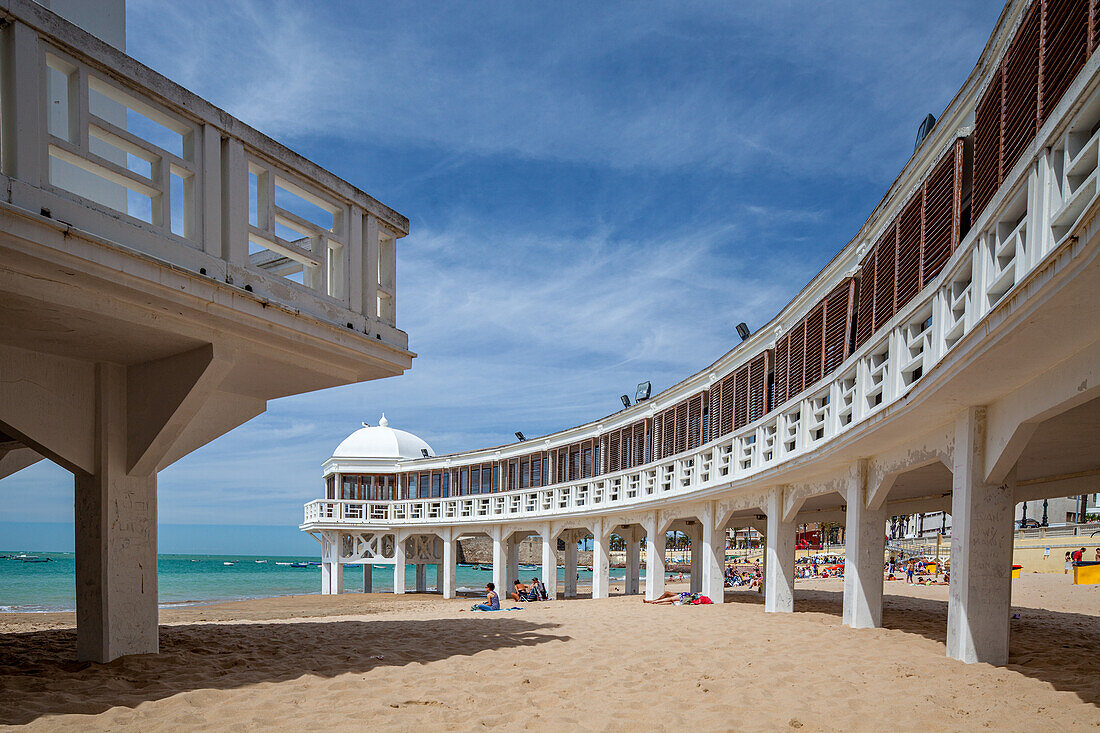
(197, 579)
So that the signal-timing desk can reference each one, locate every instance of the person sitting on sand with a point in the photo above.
(492, 600)
(539, 590)
(519, 590)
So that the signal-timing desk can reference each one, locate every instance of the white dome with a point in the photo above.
(381, 441)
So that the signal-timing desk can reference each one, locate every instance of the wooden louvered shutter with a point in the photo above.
(941, 230)
(1094, 25)
(838, 318)
(865, 310)
(758, 386)
(1064, 39)
(909, 250)
(987, 146)
(815, 345)
(741, 397)
(639, 443)
(613, 439)
(782, 364)
(695, 422)
(885, 276)
(1021, 70)
(796, 361)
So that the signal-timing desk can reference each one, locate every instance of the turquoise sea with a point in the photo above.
(197, 579)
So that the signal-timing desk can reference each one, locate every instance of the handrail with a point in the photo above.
(1017, 235)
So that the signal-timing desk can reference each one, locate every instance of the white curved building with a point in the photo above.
(947, 359)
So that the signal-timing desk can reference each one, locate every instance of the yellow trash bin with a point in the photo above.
(1086, 572)
(1016, 570)
(932, 567)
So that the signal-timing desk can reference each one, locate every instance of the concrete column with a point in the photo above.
(654, 559)
(864, 554)
(779, 567)
(712, 552)
(695, 532)
(601, 563)
(116, 538)
(399, 563)
(327, 542)
(549, 563)
(498, 561)
(368, 578)
(570, 564)
(511, 573)
(633, 555)
(448, 571)
(421, 578)
(981, 550)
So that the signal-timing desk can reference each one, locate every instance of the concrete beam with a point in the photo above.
(164, 396)
(13, 460)
(885, 468)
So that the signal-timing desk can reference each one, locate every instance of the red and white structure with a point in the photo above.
(947, 359)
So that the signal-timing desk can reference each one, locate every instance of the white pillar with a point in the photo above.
(421, 577)
(864, 554)
(654, 559)
(448, 571)
(981, 550)
(116, 538)
(511, 573)
(327, 542)
(368, 578)
(497, 535)
(570, 564)
(633, 554)
(713, 558)
(549, 562)
(601, 563)
(695, 532)
(779, 558)
(399, 563)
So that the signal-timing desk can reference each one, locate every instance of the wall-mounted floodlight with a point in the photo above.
(625, 399)
(743, 330)
(642, 393)
(424, 452)
(519, 435)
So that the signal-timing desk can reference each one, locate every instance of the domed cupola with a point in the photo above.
(382, 442)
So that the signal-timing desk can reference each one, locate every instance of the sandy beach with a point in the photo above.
(418, 662)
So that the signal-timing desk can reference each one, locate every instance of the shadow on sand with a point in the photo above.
(1059, 648)
(39, 676)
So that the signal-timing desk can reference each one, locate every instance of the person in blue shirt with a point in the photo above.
(492, 600)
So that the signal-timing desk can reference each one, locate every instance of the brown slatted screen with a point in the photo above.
(695, 422)
(1065, 49)
(987, 147)
(865, 310)
(1021, 73)
(782, 361)
(838, 318)
(1094, 25)
(758, 386)
(815, 344)
(639, 443)
(909, 236)
(885, 276)
(668, 432)
(741, 397)
(940, 229)
(796, 361)
(614, 443)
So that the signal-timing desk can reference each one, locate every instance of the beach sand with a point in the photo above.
(418, 662)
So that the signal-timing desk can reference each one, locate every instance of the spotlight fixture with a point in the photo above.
(743, 330)
(519, 435)
(642, 393)
(625, 399)
(424, 452)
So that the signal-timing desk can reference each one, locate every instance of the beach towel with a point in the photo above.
(702, 601)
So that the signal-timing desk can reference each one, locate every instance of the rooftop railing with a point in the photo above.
(95, 140)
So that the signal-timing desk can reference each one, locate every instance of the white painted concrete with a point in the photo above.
(449, 568)
(864, 549)
(549, 563)
(601, 564)
(570, 564)
(779, 552)
(399, 564)
(712, 551)
(368, 578)
(654, 558)
(981, 550)
(632, 562)
(499, 553)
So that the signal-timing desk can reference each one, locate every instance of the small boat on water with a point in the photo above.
(229, 563)
(299, 564)
(261, 561)
(484, 567)
(36, 559)
(283, 563)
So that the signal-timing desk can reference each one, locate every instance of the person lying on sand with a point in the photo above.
(492, 600)
(669, 598)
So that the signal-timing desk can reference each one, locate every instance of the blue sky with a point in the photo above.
(597, 193)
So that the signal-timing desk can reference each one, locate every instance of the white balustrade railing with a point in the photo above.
(93, 139)
(1017, 233)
